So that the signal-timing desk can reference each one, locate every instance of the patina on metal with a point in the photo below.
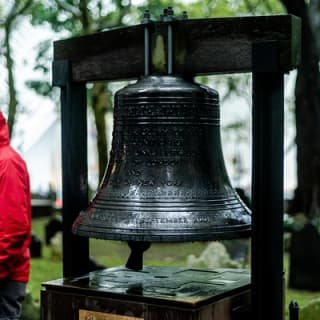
(166, 179)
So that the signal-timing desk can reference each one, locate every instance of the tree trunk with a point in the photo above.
(99, 99)
(12, 104)
(99, 105)
(307, 112)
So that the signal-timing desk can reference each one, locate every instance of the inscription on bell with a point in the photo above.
(145, 182)
(163, 109)
(176, 131)
(164, 193)
(148, 221)
(93, 315)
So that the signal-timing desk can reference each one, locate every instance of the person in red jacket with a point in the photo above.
(15, 227)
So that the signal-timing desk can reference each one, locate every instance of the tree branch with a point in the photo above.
(13, 103)
(267, 5)
(85, 18)
(249, 6)
(18, 8)
(11, 15)
(23, 9)
(104, 23)
(15, 11)
(69, 8)
(100, 6)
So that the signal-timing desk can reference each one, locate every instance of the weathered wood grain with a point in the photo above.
(204, 46)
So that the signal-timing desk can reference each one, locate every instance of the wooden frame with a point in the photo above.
(266, 46)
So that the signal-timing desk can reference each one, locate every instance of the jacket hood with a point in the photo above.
(4, 131)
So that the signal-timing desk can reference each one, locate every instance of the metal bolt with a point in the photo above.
(146, 16)
(168, 15)
(170, 11)
(184, 15)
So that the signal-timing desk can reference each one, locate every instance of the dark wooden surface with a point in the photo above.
(267, 185)
(63, 305)
(75, 173)
(209, 46)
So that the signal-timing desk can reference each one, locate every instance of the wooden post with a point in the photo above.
(267, 184)
(74, 167)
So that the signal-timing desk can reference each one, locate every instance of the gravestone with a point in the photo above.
(305, 259)
(53, 226)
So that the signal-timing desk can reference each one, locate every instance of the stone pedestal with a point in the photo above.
(155, 293)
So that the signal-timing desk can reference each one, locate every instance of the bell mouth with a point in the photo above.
(166, 221)
(219, 233)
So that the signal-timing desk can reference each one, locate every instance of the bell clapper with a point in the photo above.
(135, 261)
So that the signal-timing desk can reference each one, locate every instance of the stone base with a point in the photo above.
(151, 294)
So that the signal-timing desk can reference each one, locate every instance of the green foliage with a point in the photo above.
(222, 8)
(49, 13)
(84, 16)
(43, 88)
(303, 297)
(44, 56)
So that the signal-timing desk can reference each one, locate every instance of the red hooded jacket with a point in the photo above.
(15, 211)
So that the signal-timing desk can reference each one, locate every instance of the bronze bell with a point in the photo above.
(166, 179)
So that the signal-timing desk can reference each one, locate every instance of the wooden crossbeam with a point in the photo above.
(210, 46)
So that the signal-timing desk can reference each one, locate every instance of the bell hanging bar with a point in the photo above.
(168, 17)
(146, 21)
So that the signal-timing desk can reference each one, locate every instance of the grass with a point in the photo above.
(115, 253)
(45, 268)
(301, 296)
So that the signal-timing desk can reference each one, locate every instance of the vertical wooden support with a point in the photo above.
(74, 166)
(267, 184)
